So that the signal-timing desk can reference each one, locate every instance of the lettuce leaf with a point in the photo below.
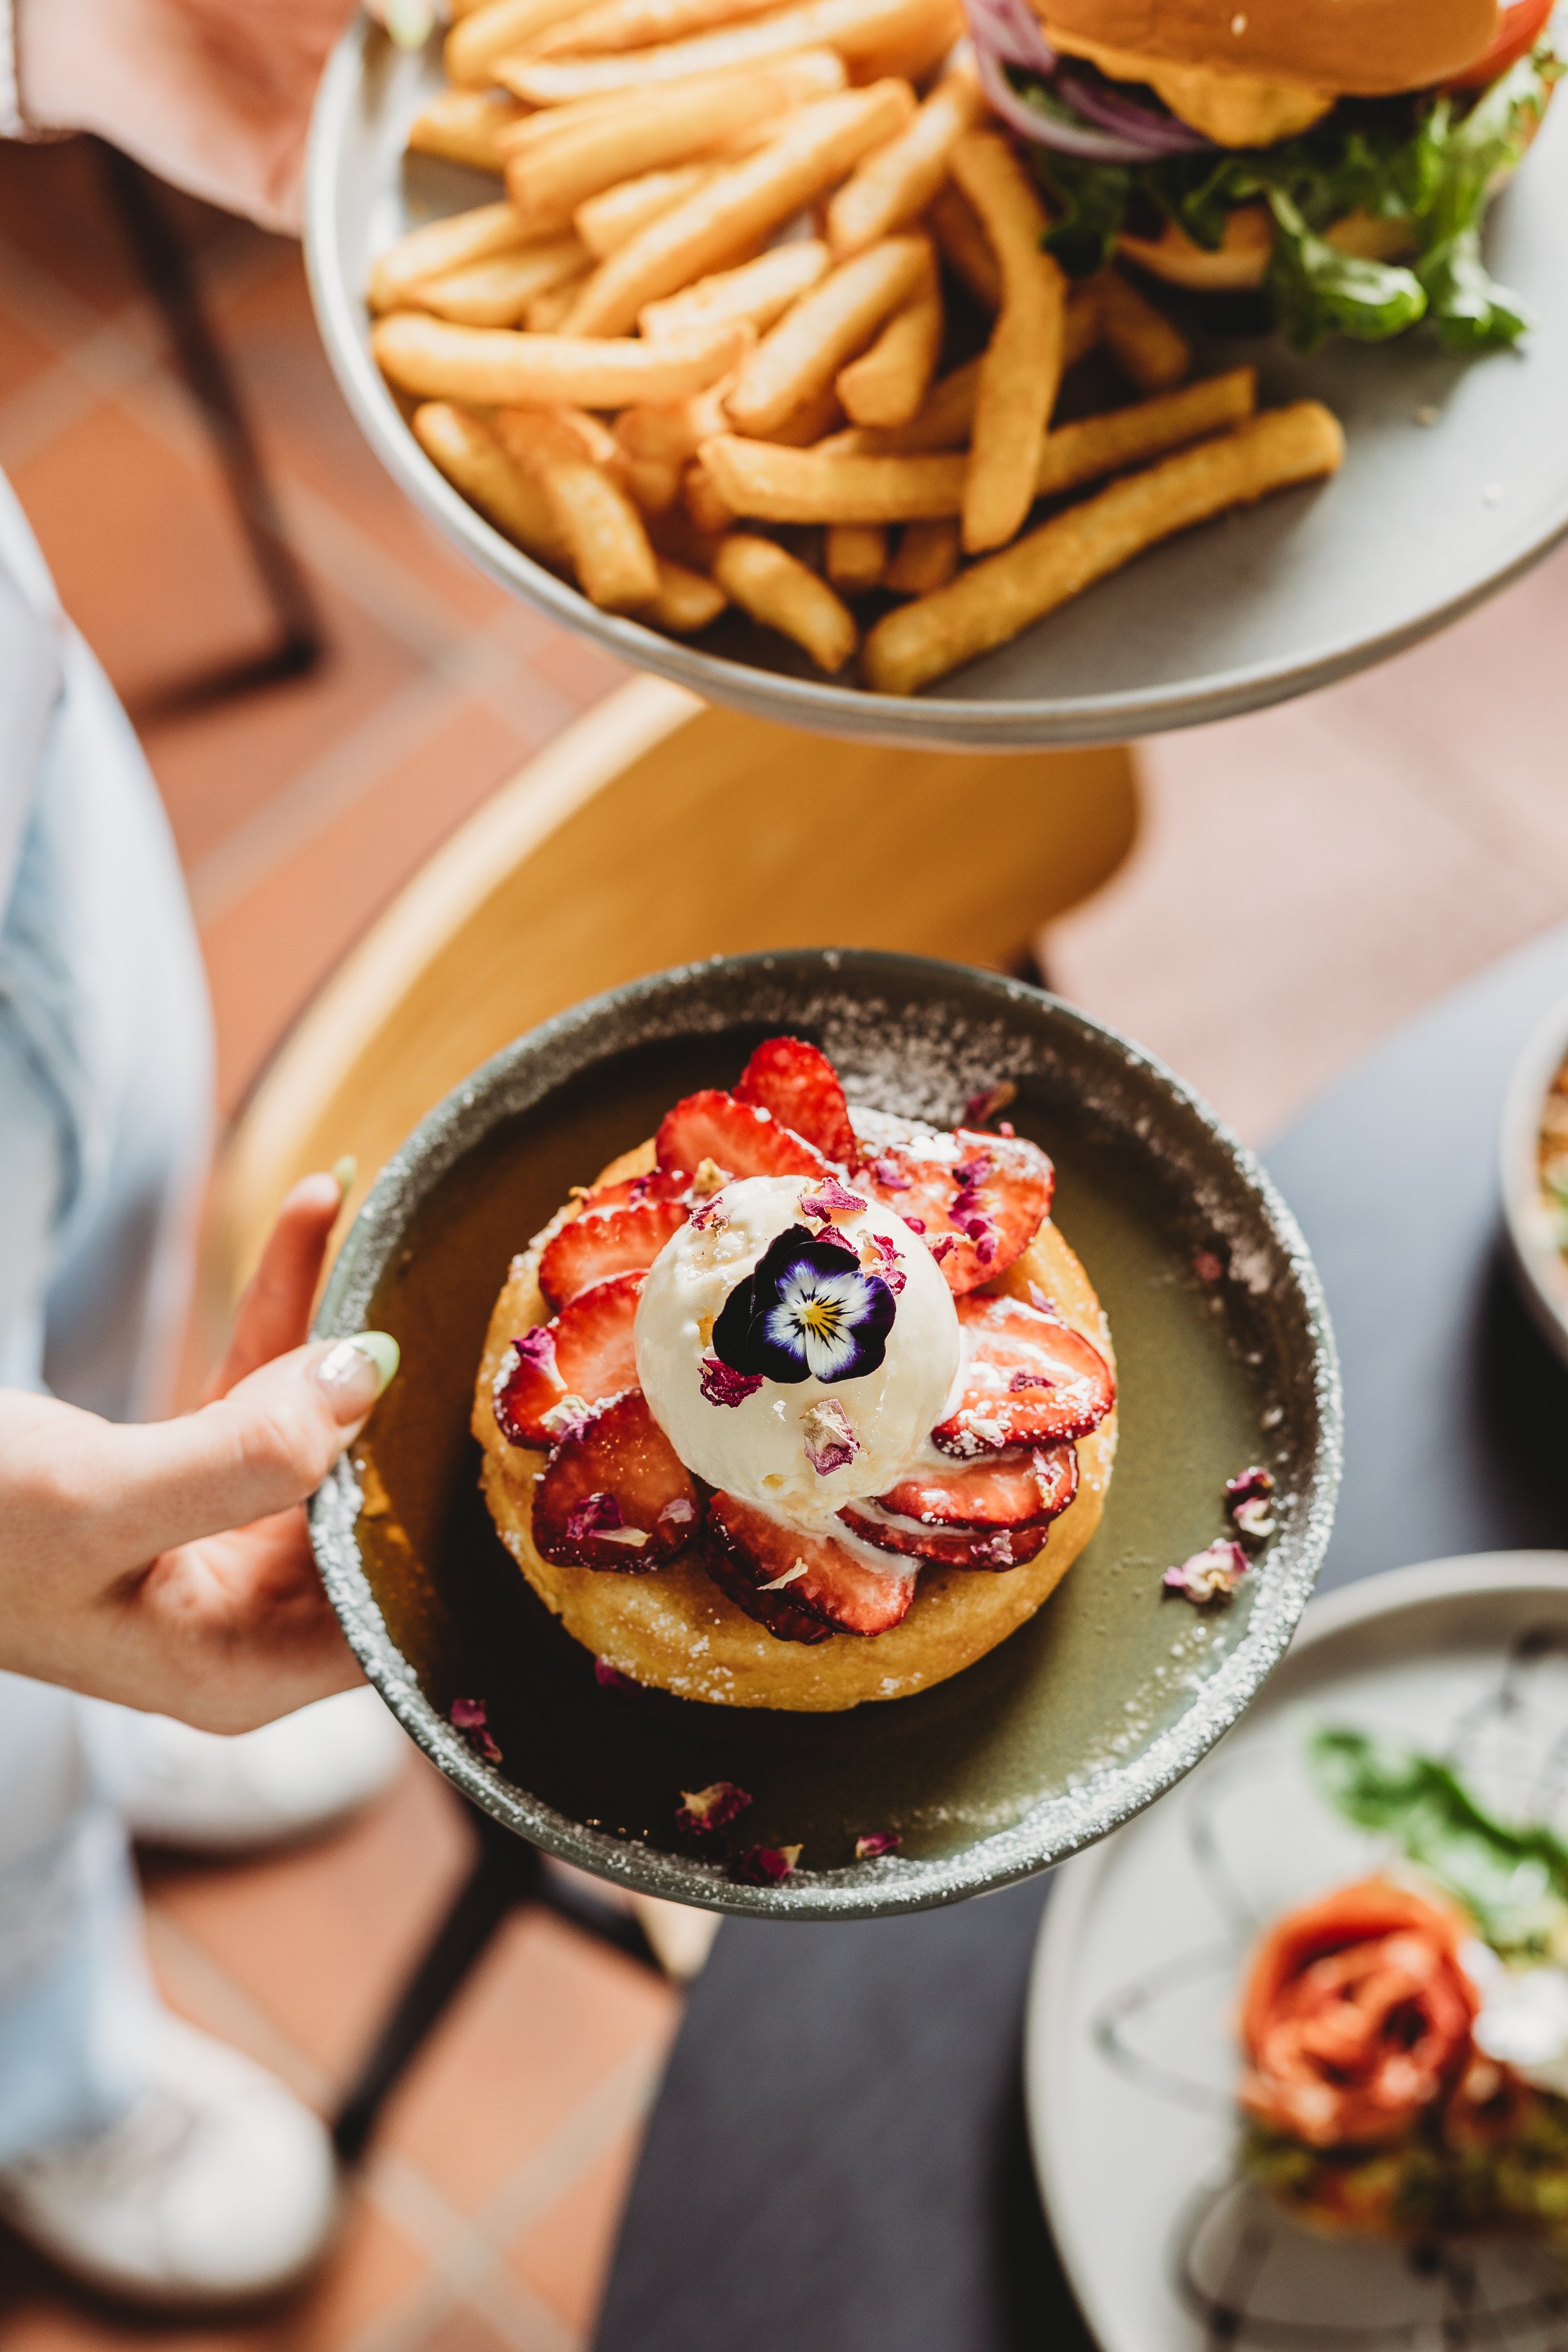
(1512, 1881)
(1430, 165)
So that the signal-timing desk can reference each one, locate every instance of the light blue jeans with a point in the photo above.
(105, 1095)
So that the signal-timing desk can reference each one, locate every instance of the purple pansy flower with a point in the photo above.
(807, 1311)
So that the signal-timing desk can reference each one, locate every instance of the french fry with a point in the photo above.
(546, 311)
(1096, 446)
(672, 433)
(687, 601)
(676, 539)
(541, 126)
(943, 424)
(888, 384)
(653, 484)
(475, 463)
(440, 247)
(700, 499)
(757, 293)
(1142, 340)
(914, 51)
(855, 28)
(806, 424)
(1085, 325)
(496, 367)
(499, 293)
(612, 25)
(779, 591)
(456, 8)
(465, 126)
(992, 601)
(611, 219)
(645, 129)
(769, 484)
(1022, 368)
(927, 558)
(802, 354)
(856, 556)
(713, 228)
(962, 242)
(482, 35)
(893, 186)
(616, 567)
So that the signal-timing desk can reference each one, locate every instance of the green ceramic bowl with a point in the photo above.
(1102, 1701)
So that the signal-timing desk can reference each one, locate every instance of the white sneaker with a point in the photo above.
(209, 1794)
(216, 2189)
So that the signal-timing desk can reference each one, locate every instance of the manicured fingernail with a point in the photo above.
(356, 1372)
(410, 22)
(345, 1172)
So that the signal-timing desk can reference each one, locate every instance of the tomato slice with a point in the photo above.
(1519, 28)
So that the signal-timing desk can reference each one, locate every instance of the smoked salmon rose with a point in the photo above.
(1356, 2016)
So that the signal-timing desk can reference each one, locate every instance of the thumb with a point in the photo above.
(266, 1444)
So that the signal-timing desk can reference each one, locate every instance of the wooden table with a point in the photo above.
(838, 2162)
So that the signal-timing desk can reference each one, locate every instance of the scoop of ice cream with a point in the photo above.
(802, 1446)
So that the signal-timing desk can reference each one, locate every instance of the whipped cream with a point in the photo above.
(798, 1450)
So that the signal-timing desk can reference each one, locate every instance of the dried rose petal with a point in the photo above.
(703, 1812)
(567, 1417)
(830, 1442)
(972, 1173)
(1006, 1126)
(679, 1512)
(1247, 1499)
(1027, 1379)
(1037, 1299)
(468, 1717)
(984, 1106)
(610, 1677)
(939, 1250)
(888, 1174)
(885, 1261)
(1212, 1574)
(916, 1224)
(722, 1384)
(595, 1515)
(1208, 1267)
(710, 1217)
(878, 1842)
(828, 1200)
(536, 1346)
(763, 1865)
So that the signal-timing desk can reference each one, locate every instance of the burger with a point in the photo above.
(1337, 155)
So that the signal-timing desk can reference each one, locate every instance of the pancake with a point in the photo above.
(673, 1630)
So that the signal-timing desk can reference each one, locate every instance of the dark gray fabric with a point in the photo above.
(837, 2162)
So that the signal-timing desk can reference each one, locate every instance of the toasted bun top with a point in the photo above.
(1356, 48)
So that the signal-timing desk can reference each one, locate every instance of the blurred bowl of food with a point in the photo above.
(1533, 1169)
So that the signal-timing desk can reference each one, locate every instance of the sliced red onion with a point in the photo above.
(1102, 102)
(1114, 128)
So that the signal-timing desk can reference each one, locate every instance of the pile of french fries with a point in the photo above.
(694, 356)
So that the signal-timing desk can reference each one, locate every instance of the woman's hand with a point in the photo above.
(166, 1564)
(214, 95)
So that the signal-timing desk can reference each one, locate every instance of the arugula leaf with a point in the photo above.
(1513, 1881)
(1319, 292)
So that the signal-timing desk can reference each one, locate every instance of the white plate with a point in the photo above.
(1425, 519)
(1539, 1263)
(1129, 2057)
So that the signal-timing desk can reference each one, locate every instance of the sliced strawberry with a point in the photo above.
(614, 1479)
(823, 1578)
(742, 1139)
(800, 1086)
(657, 1184)
(599, 1243)
(980, 1200)
(943, 1547)
(770, 1609)
(587, 1353)
(1020, 1489)
(1029, 1379)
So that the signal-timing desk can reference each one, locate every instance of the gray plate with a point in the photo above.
(1423, 522)
(1095, 1706)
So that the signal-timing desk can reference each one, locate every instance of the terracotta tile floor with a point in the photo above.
(1304, 880)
